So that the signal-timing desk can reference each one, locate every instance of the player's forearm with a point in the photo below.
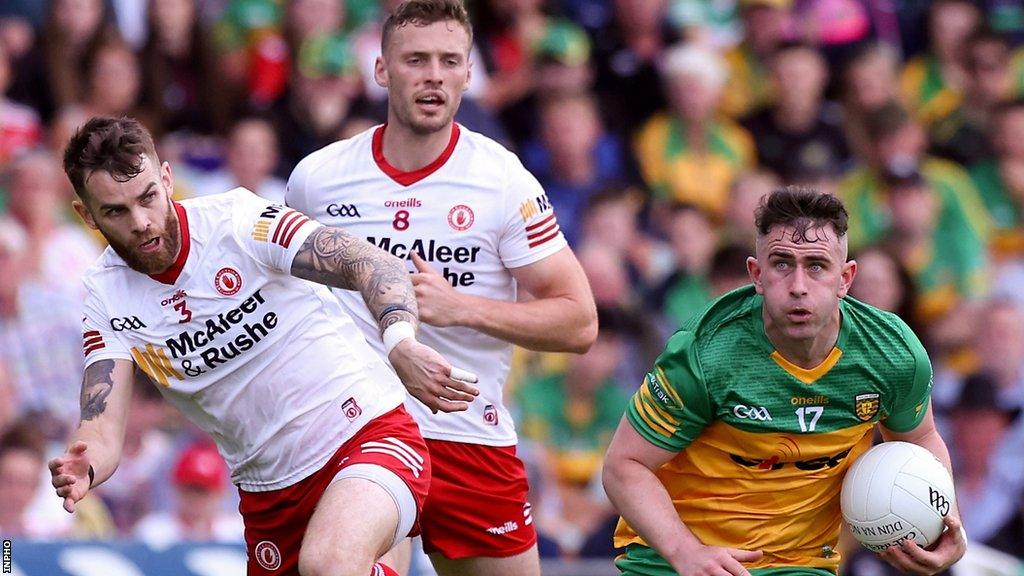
(644, 503)
(106, 390)
(560, 324)
(104, 448)
(336, 258)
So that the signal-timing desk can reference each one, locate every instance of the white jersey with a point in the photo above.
(472, 214)
(269, 365)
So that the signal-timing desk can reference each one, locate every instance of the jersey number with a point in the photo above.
(401, 221)
(814, 412)
(186, 314)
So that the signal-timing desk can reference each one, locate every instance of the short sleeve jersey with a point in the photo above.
(268, 364)
(472, 214)
(763, 444)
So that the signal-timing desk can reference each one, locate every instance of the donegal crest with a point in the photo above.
(866, 406)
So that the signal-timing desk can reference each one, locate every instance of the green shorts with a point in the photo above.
(643, 561)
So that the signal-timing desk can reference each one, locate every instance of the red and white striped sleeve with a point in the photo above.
(271, 233)
(98, 339)
(531, 232)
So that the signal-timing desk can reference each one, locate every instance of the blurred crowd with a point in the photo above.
(655, 126)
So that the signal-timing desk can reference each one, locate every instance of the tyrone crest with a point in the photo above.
(866, 406)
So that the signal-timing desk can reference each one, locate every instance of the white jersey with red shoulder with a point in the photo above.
(269, 365)
(472, 214)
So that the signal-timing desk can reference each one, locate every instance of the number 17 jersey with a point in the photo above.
(763, 444)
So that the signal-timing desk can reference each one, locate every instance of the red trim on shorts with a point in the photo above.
(477, 503)
(276, 521)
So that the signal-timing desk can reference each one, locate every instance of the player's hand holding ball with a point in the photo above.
(898, 500)
(430, 378)
(70, 475)
(439, 304)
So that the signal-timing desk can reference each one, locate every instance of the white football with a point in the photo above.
(894, 492)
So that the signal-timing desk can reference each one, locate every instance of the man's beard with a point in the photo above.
(426, 126)
(156, 262)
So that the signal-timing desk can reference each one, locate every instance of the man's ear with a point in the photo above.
(754, 270)
(167, 178)
(84, 213)
(848, 274)
(380, 72)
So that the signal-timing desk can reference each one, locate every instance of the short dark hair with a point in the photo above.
(803, 209)
(423, 13)
(886, 121)
(113, 145)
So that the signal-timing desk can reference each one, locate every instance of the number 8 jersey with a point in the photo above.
(266, 363)
(472, 214)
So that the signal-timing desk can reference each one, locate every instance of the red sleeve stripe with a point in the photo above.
(94, 348)
(294, 229)
(544, 232)
(538, 241)
(284, 221)
(97, 339)
(536, 225)
(90, 333)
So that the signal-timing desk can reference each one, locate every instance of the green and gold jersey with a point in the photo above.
(678, 172)
(763, 444)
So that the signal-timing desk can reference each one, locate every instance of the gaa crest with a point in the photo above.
(866, 406)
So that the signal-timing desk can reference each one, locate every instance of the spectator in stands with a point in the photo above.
(961, 136)
(933, 84)
(40, 334)
(898, 144)
(948, 266)
(575, 157)
(979, 425)
(22, 456)
(200, 479)
(1000, 179)
(324, 87)
(20, 129)
(690, 153)
(870, 82)
(627, 52)
(252, 154)
(766, 25)
(181, 81)
(744, 196)
(58, 251)
(691, 235)
(884, 282)
(611, 223)
(800, 136)
(113, 83)
(572, 416)
(53, 74)
(728, 269)
(308, 19)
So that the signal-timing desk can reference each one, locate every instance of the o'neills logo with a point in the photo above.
(179, 295)
(407, 203)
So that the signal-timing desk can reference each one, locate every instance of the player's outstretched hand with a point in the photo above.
(439, 304)
(431, 379)
(70, 474)
(716, 561)
(910, 558)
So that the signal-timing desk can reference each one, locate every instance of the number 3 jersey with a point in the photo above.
(268, 364)
(763, 444)
(471, 215)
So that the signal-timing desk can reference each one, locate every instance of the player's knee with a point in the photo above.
(333, 563)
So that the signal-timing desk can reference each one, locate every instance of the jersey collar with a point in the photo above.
(410, 178)
(170, 276)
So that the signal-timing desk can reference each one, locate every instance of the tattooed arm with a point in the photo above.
(106, 392)
(336, 258)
